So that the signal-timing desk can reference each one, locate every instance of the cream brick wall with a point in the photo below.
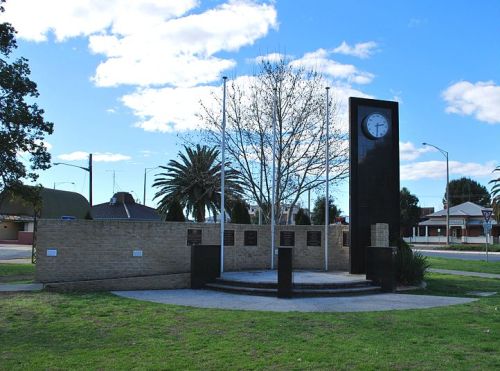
(96, 250)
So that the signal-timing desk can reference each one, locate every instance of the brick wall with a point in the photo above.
(96, 250)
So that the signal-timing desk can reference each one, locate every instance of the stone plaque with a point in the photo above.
(313, 238)
(228, 238)
(287, 238)
(193, 237)
(250, 238)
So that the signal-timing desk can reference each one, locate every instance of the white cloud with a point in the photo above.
(271, 57)
(361, 50)
(97, 157)
(408, 151)
(482, 100)
(147, 42)
(319, 60)
(437, 169)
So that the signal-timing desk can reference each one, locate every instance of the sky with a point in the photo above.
(123, 79)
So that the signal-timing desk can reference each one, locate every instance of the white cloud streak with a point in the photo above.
(437, 169)
(97, 157)
(481, 100)
(408, 151)
(360, 50)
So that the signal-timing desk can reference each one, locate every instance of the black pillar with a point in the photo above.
(285, 280)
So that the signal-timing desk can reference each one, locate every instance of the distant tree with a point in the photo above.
(194, 181)
(22, 127)
(465, 189)
(495, 195)
(318, 213)
(175, 212)
(239, 212)
(409, 211)
(301, 218)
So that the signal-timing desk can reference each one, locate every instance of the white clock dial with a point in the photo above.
(375, 125)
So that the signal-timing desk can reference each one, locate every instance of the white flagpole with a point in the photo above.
(273, 182)
(222, 178)
(327, 195)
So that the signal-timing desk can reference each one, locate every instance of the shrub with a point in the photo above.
(410, 265)
(175, 212)
(301, 218)
(239, 213)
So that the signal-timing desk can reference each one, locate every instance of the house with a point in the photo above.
(466, 226)
(122, 206)
(17, 215)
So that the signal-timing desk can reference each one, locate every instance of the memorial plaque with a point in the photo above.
(287, 238)
(193, 237)
(313, 238)
(228, 238)
(250, 238)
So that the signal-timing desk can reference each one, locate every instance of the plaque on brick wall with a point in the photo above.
(313, 238)
(228, 238)
(193, 237)
(250, 238)
(287, 238)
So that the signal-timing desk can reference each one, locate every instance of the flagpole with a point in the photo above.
(222, 178)
(327, 195)
(273, 181)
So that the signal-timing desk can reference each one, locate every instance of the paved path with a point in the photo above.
(464, 273)
(9, 252)
(222, 300)
(15, 287)
(464, 255)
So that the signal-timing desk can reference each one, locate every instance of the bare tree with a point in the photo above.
(300, 133)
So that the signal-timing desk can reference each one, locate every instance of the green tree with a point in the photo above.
(465, 189)
(495, 195)
(239, 212)
(301, 218)
(175, 212)
(409, 211)
(318, 213)
(194, 181)
(22, 127)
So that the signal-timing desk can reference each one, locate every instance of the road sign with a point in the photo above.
(486, 215)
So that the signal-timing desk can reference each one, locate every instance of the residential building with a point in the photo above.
(122, 206)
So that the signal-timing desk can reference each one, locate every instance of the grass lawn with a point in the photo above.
(101, 331)
(16, 272)
(465, 265)
(470, 247)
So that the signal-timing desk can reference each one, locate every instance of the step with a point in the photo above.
(273, 285)
(243, 289)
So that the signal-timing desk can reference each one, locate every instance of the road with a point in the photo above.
(465, 255)
(10, 252)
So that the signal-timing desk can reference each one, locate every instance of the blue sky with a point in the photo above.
(122, 78)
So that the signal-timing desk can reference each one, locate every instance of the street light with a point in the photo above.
(445, 154)
(89, 169)
(146, 170)
(56, 183)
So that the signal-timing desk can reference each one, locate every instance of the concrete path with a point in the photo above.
(464, 273)
(15, 287)
(222, 300)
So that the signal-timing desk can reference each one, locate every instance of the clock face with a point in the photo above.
(375, 125)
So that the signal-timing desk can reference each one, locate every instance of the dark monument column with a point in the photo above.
(374, 174)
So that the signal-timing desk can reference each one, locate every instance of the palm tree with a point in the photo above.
(194, 182)
(495, 195)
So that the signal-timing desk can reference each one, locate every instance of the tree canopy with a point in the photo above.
(409, 210)
(466, 189)
(495, 195)
(301, 218)
(239, 212)
(300, 133)
(22, 126)
(318, 212)
(194, 182)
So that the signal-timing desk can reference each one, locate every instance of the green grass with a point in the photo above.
(465, 265)
(470, 247)
(16, 272)
(101, 331)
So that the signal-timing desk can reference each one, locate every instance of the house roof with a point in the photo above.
(122, 206)
(55, 204)
(465, 209)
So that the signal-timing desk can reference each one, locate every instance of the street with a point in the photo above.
(10, 252)
(465, 255)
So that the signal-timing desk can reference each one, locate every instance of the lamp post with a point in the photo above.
(89, 169)
(146, 170)
(56, 183)
(445, 154)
